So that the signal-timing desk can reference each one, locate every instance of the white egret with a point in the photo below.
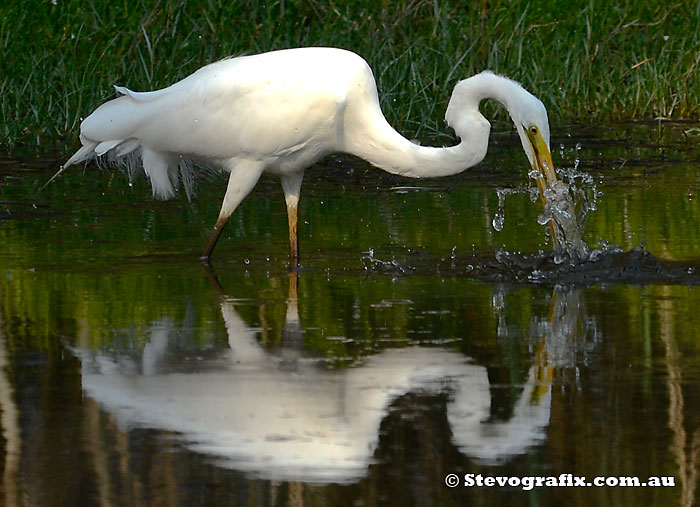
(283, 111)
(278, 415)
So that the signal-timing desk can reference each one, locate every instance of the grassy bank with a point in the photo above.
(585, 60)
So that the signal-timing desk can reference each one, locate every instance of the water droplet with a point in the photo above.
(498, 221)
(534, 194)
(595, 255)
(497, 300)
(535, 275)
(534, 174)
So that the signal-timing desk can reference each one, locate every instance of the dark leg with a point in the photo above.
(244, 175)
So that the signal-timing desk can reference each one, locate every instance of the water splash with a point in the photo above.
(560, 213)
(568, 202)
(499, 218)
(606, 263)
(371, 263)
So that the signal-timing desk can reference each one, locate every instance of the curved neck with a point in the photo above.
(382, 146)
(469, 93)
(369, 135)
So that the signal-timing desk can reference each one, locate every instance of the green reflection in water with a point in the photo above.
(92, 262)
(650, 196)
(618, 355)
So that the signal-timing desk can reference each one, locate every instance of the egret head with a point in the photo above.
(530, 118)
(527, 112)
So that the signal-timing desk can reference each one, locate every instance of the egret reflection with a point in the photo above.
(9, 427)
(283, 414)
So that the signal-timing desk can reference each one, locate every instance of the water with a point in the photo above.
(566, 205)
(415, 341)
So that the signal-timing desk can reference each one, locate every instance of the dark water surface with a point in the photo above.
(415, 342)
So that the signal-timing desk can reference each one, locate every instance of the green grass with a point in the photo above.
(587, 61)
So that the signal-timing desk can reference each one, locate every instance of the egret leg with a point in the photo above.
(291, 184)
(244, 175)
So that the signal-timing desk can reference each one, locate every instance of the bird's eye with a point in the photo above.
(533, 129)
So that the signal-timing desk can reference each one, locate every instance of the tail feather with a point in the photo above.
(105, 146)
(140, 96)
(86, 152)
(161, 171)
(127, 147)
(109, 134)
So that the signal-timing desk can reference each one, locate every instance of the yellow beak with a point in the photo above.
(545, 167)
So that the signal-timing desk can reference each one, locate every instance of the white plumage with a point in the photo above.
(284, 110)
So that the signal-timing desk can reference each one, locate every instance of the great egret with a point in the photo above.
(277, 415)
(284, 110)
